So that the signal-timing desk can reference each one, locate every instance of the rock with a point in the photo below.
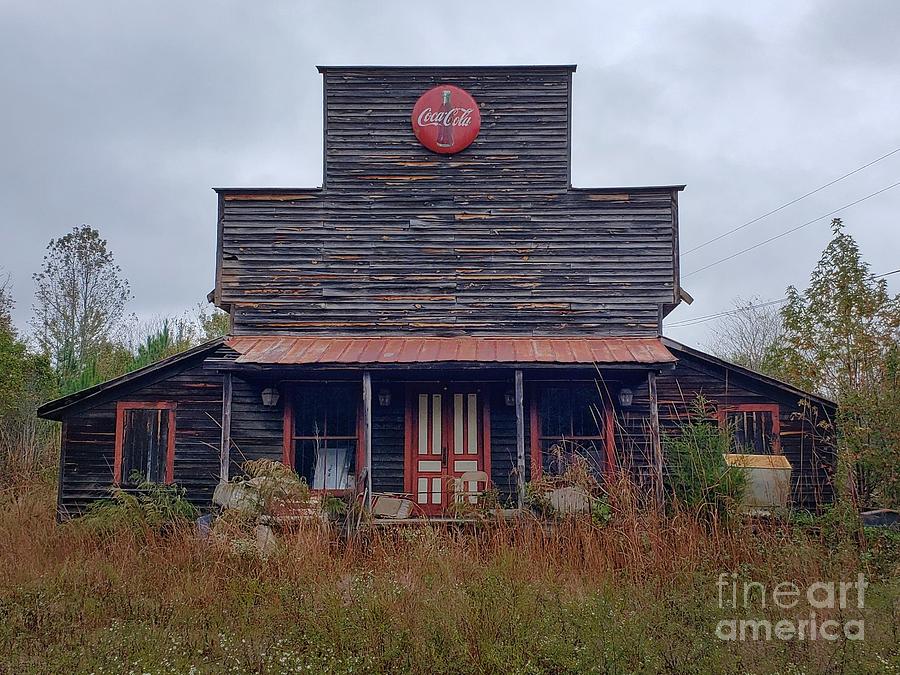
(265, 539)
(243, 496)
(569, 500)
(204, 525)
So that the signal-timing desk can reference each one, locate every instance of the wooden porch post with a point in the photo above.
(367, 433)
(655, 441)
(225, 448)
(520, 440)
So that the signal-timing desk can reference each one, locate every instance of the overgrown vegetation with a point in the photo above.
(146, 509)
(637, 595)
(698, 477)
(839, 337)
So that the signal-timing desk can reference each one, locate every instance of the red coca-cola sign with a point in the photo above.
(445, 119)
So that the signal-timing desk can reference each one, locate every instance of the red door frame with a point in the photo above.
(121, 407)
(410, 453)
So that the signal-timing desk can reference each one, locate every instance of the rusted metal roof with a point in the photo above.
(278, 350)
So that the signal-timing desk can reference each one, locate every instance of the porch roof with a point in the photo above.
(292, 350)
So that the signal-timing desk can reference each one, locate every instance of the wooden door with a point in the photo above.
(445, 438)
(145, 442)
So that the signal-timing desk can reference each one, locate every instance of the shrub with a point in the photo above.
(148, 508)
(698, 476)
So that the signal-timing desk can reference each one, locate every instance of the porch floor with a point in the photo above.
(488, 517)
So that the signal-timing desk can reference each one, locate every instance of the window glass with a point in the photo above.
(325, 434)
(571, 426)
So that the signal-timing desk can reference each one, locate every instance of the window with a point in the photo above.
(145, 443)
(569, 421)
(755, 428)
(323, 425)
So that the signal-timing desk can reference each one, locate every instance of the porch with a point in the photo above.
(436, 432)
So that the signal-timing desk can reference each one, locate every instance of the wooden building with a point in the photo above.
(445, 302)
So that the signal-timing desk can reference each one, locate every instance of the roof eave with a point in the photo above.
(747, 372)
(570, 67)
(52, 410)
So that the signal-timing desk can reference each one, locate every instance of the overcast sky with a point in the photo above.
(123, 115)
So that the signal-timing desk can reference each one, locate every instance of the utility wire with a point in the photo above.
(790, 203)
(790, 231)
(738, 310)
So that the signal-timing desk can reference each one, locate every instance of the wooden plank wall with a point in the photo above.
(583, 262)
(89, 440)
(523, 143)
(808, 449)
(257, 431)
(490, 241)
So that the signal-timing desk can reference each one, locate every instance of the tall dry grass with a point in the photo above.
(636, 595)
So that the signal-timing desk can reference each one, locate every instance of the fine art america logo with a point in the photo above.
(817, 612)
(446, 119)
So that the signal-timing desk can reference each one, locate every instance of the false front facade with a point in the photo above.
(445, 307)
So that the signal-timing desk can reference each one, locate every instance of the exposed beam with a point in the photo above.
(367, 424)
(655, 442)
(225, 447)
(520, 439)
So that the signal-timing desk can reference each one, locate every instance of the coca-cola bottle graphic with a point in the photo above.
(445, 128)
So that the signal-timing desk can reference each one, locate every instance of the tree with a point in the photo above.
(26, 380)
(214, 323)
(80, 297)
(841, 339)
(750, 336)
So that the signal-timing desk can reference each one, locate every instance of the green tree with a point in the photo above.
(80, 298)
(172, 337)
(841, 340)
(213, 323)
(26, 379)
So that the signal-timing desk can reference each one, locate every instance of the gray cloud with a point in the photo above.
(123, 115)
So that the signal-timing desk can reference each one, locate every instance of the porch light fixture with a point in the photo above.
(626, 397)
(384, 397)
(509, 398)
(270, 397)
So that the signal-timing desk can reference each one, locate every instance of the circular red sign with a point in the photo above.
(445, 119)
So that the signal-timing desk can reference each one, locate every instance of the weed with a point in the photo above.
(698, 476)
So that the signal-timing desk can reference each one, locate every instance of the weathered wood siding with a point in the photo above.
(492, 240)
(503, 443)
(524, 141)
(257, 431)
(88, 440)
(586, 262)
(809, 450)
(388, 437)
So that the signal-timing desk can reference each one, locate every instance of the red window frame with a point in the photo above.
(609, 433)
(121, 407)
(773, 408)
(288, 448)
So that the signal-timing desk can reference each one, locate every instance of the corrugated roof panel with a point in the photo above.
(274, 350)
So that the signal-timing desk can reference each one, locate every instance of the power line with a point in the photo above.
(738, 310)
(790, 231)
(790, 203)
